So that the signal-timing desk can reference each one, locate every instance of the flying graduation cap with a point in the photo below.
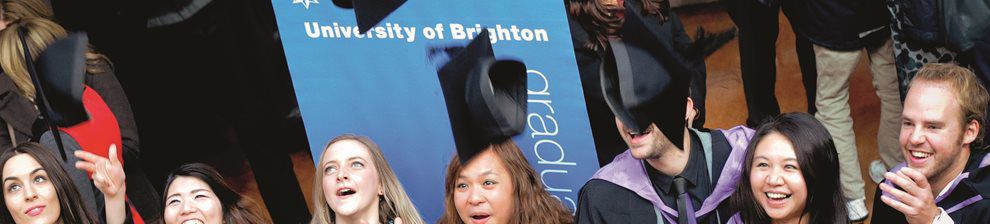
(637, 84)
(57, 75)
(485, 97)
(370, 12)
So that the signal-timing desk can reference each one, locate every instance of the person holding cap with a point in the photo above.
(489, 180)
(670, 174)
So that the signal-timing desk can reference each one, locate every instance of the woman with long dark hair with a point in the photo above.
(511, 193)
(790, 175)
(196, 191)
(37, 189)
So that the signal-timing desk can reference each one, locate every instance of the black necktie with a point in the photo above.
(685, 209)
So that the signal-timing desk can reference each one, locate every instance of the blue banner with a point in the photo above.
(383, 84)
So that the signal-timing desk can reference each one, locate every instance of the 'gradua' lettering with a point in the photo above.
(550, 154)
(388, 31)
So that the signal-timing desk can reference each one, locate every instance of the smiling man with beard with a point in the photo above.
(945, 178)
(669, 174)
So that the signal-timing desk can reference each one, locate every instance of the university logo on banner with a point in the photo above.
(305, 3)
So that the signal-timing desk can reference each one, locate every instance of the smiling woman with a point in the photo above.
(197, 194)
(792, 170)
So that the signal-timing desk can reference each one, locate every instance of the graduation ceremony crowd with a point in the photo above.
(644, 81)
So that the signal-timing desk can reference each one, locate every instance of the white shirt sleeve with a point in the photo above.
(943, 218)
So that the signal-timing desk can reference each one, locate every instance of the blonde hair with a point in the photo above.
(40, 32)
(19, 9)
(394, 203)
(968, 90)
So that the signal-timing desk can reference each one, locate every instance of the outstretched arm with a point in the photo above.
(108, 176)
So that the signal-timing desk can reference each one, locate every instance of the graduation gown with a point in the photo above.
(966, 201)
(621, 192)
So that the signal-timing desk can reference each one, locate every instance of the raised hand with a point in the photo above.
(107, 174)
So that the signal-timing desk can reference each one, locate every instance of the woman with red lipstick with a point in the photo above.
(792, 170)
(358, 186)
(197, 194)
(37, 189)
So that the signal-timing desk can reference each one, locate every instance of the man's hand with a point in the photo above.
(915, 201)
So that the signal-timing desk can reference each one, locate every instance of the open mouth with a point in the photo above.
(343, 192)
(480, 218)
(920, 155)
(777, 196)
(193, 221)
(635, 135)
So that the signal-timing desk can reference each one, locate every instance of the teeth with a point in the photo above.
(776, 195)
(346, 192)
(644, 132)
(922, 155)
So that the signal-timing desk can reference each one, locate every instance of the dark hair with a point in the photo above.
(533, 204)
(69, 199)
(600, 23)
(819, 164)
(236, 208)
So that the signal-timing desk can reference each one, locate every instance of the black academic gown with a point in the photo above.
(968, 202)
(601, 201)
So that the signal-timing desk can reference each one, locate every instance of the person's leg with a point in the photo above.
(832, 100)
(699, 87)
(885, 81)
(757, 57)
(809, 73)
(805, 53)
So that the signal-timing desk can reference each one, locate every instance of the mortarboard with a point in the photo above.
(369, 13)
(485, 97)
(638, 87)
(57, 75)
(61, 69)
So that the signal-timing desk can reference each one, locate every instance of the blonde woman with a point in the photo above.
(358, 186)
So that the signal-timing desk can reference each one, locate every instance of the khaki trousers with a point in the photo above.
(832, 100)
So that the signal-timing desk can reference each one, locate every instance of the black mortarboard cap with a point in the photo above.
(637, 85)
(485, 97)
(60, 69)
(370, 12)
